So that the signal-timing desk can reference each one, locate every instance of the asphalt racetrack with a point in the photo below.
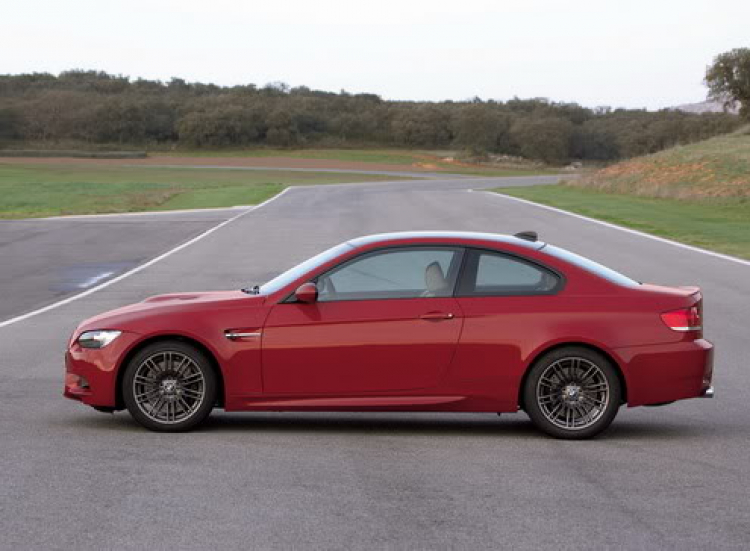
(675, 477)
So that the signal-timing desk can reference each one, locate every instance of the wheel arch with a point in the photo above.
(220, 398)
(581, 344)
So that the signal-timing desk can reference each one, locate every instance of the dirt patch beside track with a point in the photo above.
(262, 162)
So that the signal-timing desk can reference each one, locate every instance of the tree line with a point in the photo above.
(98, 109)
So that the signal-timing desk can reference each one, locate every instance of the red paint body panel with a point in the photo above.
(413, 354)
(359, 346)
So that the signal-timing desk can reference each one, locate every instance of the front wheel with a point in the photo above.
(169, 386)
(572, 393)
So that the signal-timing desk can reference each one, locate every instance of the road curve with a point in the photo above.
(49, 259)
(672, 477)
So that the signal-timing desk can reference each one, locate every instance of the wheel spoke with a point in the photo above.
(596, 401)
(557, 409)
(147, 395)
(185, 407)
(573, 369)
(155, 368)
(184, 364)
(156, 406)
(192, 379)
(583, 415)
(559, 371)
(190, 393)
(587, 375)
(596, 387)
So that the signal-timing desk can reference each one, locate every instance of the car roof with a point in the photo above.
(461, 237)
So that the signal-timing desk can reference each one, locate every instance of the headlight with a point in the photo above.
(97, 339)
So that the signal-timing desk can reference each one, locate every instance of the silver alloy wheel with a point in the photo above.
(169, 387)
(573, 393)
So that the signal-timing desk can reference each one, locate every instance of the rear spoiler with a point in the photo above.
(527, 235)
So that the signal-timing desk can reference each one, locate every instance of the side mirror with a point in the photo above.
(307, 292)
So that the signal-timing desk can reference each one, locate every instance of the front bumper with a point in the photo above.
(91, 374)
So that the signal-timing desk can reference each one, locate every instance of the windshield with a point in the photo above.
(590, 266)
(281, 281)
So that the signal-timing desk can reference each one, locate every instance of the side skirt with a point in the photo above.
(367, 403)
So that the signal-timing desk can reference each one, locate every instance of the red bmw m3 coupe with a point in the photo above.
(418, 321)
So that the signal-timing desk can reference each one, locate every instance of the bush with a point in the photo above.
(547, 139)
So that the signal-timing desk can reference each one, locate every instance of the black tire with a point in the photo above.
(561, 387)
(175, 373)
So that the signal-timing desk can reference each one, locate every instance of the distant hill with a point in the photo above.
(714, 168)
(708, 106)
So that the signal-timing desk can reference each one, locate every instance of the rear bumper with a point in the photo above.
(667, 372)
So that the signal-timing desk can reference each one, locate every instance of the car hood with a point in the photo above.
(123, 317)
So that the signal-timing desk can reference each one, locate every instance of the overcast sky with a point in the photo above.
(630, 53)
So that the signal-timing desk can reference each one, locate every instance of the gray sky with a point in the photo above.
(630, 53)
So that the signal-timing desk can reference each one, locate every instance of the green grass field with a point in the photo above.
(426, 160)
(383, 156)
(719, 224)
(28, 191)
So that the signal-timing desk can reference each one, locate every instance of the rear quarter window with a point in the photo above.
(489, 273)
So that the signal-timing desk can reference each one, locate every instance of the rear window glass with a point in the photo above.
(590, 266)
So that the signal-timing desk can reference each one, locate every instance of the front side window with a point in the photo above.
(284, 279)
(408, 272)
(489, 273)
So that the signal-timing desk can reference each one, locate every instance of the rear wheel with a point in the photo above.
(572, 393)
(169, 386)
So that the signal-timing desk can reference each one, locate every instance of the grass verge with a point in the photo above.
(718, 224)
(711, 169)
(28, 191)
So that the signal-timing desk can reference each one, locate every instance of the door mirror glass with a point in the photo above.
(307, 292)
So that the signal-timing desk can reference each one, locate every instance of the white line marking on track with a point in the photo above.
(137, 269)
(142, 213)
(622, 228)
(94, 279)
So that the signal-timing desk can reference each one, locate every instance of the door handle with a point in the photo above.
(437, 316)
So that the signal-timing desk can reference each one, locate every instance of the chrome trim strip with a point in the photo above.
(232, 336)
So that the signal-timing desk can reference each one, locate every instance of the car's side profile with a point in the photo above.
(418, 321)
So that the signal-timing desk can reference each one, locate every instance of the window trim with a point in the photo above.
(459, 250)
(467, 271)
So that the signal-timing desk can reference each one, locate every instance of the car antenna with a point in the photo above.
(527, 235)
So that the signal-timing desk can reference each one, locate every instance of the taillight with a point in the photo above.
(684, 319)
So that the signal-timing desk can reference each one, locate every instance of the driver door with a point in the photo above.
(384, 321)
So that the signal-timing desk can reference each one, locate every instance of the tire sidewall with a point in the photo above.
(535, 412)
(209, 378)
